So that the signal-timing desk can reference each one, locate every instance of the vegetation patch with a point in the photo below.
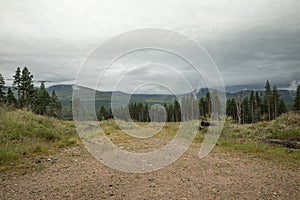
(249, 138)
(24, 135)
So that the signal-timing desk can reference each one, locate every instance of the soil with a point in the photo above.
(74, 174)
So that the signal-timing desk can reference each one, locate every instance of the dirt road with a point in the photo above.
(75, 174)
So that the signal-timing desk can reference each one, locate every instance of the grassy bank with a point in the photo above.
(24, 135)
(249, 138)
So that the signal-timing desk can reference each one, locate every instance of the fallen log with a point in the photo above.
(285, 143)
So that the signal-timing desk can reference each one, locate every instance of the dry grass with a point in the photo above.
(135, 144)
(248, 138)
(24, 135)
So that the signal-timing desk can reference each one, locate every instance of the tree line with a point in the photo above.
(142, 112)
(187, 108)
(27, 96)
(258, 106)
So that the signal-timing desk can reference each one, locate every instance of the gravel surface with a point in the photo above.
(75, 174)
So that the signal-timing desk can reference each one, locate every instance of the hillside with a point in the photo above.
(253, 138)
(64, 93)
(25, 136)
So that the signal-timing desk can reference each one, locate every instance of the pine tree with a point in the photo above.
(195, 109)
(258, 105)
(2, 88)
(17, 83)
(140, 112)
(245, 110)
(281, 107)
(184, 109)
(109, 113)
(208, 102)
(55, 105)
(32, 97)
(177, 111)
(231, 109)
(215, 104)
(43, 100)
(234, 110)
(102, 113)
(252, 105)
(297, 100)
(146, 112)
(171, 113)
(202, 107)
(275, 100)
(26, 86)
(268, 98)
(10, 98)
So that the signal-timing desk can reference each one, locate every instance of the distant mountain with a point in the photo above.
(64, 94)
(287, 95)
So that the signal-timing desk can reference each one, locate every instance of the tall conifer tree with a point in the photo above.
(2, 89)
(297, 100)
(268, 94)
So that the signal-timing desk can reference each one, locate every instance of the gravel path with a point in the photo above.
(75, 174)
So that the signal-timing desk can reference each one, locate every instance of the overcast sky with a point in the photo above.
(249, 41)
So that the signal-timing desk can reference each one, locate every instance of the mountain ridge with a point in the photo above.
(64, 94)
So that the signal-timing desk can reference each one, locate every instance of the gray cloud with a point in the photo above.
(250, 41)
